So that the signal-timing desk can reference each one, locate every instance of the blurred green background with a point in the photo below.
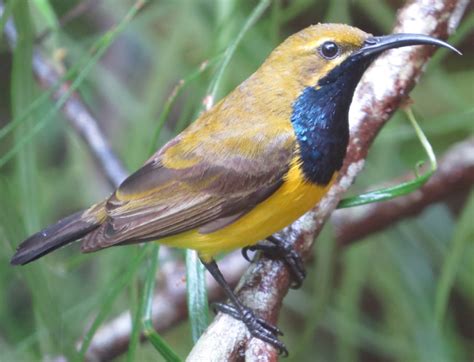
(372, 301)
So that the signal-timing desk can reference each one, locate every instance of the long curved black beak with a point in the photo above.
(377, 44)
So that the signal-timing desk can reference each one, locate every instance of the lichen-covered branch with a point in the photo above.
(266, 282)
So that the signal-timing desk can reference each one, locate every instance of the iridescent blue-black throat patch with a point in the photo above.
(320, 121)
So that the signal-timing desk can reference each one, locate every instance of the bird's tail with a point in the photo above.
(65, 231)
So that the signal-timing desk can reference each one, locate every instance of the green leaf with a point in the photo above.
(136, 301)
(148, 329)
(197, 294)
(463, 234)
(404, 188)
(229, 52)
(182, 84)
(99, 49)
(22, 93)
(48, 13)
(117, 284)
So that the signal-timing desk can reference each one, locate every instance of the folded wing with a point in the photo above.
(190, 184)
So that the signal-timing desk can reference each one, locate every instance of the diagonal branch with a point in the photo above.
(266, 282)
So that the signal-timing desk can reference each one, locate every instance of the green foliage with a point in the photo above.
(403, 188)
(404, 294)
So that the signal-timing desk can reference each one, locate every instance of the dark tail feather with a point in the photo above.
(53, 237)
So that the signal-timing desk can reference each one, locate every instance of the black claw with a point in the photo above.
(245, 252)
(233, 312)
(282, 250)
(258, 327)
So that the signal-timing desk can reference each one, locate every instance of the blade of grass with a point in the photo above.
(22, 92)
(348, 298)
(48, 13)
(197, 294)
(182, 84)
(229, 52)
(464, 233)
(136, 301)
(403, 188)
(437, 127)
(160, 345)
(40, 101)
(102, 45)
(324, 253)
(116, 286)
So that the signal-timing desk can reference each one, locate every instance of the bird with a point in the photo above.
(260, 158)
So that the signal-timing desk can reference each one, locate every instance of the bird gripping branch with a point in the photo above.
(245, 169)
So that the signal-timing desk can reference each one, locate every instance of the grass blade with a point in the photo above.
(168, 105)
(463, 234)
(197, 294)
(136, 301)
(102, 45)
(116, 286)
(229, 52)
(160, 345)
(404, 188)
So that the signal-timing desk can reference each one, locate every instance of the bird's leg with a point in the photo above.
(281, 249)
(257, 327)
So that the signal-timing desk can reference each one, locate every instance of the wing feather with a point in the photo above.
(207, 177)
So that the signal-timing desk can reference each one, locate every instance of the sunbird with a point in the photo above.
(255, 162)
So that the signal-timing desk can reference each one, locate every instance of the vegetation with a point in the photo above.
(406, 293)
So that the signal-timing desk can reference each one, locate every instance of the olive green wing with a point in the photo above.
(212, 184)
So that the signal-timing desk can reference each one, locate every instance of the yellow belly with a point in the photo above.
(290, 201)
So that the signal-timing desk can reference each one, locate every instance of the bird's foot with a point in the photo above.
(258, 327)
(281, 249)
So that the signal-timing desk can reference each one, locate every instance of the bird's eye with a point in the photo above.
(329, 50)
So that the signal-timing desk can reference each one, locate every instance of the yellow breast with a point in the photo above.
(290, 201)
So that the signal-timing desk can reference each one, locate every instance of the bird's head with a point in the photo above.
(314, 73)
(323, 53)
